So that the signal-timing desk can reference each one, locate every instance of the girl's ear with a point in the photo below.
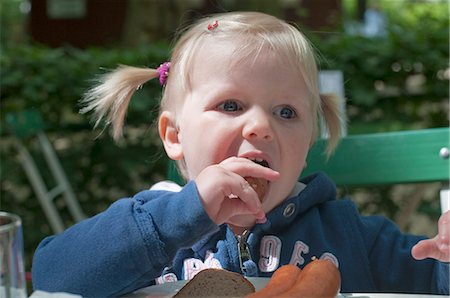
(168, 132)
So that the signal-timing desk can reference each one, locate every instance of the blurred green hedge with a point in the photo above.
(399, 81)
(396, 82)
(100, 171)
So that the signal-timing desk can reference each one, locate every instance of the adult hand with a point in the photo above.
(438, 247)
(225, 193)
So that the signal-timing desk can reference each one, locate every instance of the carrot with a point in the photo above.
(320, 278)
(282, 279)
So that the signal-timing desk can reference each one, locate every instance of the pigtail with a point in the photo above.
(110, 98)
(333, 120)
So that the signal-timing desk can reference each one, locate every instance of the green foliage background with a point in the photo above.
(399, 81)
(391, 83)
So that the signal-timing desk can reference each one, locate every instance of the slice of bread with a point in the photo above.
(216, 283)
(259, 185)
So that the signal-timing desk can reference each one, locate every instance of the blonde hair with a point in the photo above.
(110, 98)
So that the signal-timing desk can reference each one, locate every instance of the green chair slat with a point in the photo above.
(25, 123)
(173, 174)
(384, 158)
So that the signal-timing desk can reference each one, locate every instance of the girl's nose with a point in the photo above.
(257, 127)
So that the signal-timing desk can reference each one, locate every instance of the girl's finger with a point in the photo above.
(241, 190)
(423, 249)
(444, 229)
(247, 168)
(431, 248)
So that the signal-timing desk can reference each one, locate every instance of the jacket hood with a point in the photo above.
(319, 189)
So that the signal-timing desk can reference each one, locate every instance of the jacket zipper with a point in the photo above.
(244, 251)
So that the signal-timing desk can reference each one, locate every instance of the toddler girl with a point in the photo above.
(240, 99)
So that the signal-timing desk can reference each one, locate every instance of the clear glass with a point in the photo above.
(12, 269)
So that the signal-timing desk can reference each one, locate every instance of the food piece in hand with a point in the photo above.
(259, 185)
(281, 281)
(320, 278)
(216, 283)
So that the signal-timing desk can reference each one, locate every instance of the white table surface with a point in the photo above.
(169, 289)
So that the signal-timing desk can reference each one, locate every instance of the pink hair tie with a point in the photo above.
(213, 25)
(163, 71)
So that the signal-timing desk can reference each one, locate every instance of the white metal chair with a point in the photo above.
(29, 124)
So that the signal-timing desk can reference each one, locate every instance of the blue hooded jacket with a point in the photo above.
(160, 236)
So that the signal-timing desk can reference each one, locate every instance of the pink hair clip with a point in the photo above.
(213, 25)
(163, 71)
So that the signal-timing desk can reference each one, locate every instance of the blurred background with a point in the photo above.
(393, 54)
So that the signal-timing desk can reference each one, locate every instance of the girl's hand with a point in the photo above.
(439, 247)
(225, 193)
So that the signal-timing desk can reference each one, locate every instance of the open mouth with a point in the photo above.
(260, 161)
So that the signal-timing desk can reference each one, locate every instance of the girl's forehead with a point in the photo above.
(237, 55)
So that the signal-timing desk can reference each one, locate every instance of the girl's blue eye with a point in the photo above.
(230, 106)
(286, 112)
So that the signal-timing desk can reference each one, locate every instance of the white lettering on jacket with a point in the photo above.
(269, 252)
(192, 266)
(330, 257)
(169, 277)
(300, 248)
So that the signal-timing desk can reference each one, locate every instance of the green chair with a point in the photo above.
(385, 158)
(415, 156)
(29, 124)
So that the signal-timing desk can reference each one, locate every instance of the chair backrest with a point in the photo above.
(25, 124)
(385, 158)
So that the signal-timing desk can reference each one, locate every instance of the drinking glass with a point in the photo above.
(12, 269)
